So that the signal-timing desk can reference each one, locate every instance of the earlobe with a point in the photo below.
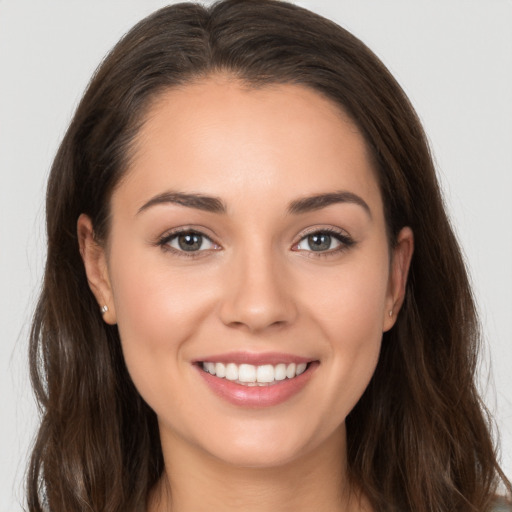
(96, 269)
(400, 264)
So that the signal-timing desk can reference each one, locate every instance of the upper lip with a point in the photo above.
(255, 359)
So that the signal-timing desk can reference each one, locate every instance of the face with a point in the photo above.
(248, 269)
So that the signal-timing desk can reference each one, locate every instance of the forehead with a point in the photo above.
(220, 137)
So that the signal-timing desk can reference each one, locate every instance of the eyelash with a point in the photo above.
(165, 239)
(346, 242)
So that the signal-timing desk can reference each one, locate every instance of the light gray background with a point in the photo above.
(453, 58)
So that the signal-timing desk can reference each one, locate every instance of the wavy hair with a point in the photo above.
(419, 439)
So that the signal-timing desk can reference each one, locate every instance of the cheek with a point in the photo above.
(154, 298)
(349, 301)
(158, 309)
(350, 313)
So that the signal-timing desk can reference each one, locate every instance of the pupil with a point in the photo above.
(319, 241)
(190, 241)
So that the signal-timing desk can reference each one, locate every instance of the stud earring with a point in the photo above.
(104, 309)
(390, 313)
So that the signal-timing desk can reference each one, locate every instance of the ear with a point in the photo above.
(95, 263)
(400, 263)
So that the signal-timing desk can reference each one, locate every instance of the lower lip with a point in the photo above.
(258, 396)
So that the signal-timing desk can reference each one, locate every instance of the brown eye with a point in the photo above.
(190, 241)
(319, 242)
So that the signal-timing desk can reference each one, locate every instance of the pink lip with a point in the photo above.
(257, 396)
(254, 358)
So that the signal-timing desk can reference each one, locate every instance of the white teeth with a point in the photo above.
(290, 370)
(231, 371)
(265, 373)
(252, 375)
(301, 368)
(220, 369)
(247, 373)
(280, 372)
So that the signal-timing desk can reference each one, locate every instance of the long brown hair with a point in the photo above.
(419, 437)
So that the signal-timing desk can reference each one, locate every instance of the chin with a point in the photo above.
(258, 457)
(265, 448)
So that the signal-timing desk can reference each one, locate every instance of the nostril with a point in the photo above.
(256, 301)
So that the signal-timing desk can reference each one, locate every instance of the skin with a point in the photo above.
(258, 287)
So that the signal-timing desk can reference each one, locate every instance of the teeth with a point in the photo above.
(252, 375)
(280, 372)
(220, 369)
(231, 371)
(301, 368)
(247, 373)
(265, 373)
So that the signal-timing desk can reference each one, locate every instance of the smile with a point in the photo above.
(256, 380)
(252, 375)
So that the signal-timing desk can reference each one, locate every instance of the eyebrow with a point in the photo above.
(216, 205)
(198, 201)
(319, 201)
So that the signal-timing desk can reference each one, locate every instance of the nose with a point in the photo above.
(258, 292)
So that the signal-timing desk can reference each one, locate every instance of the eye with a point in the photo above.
(188, 241)
(324, 241)
(318, 242)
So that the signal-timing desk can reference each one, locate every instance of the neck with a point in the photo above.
(195, 481)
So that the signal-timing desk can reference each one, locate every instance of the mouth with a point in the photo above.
(256, 381)
(254, 375)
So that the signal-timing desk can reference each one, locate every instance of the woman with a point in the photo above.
(253, 298)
